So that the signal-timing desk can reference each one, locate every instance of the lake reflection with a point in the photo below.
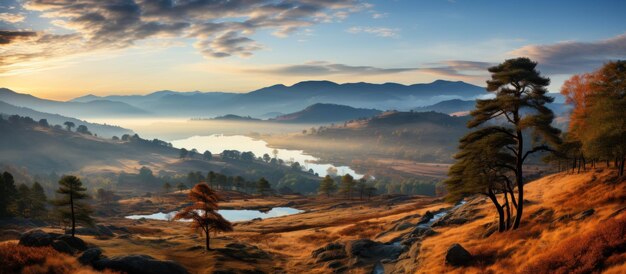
(217, 143)
(233, 215)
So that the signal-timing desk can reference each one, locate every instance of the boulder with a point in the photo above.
(90, 255)
(139, 264)
(62, 247)
(74, 242)
(35, 237)
(366, 250)
(426, 218)
(458, 256)
(105, 231)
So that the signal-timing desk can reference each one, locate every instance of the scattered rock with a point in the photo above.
(334, 265)
(402, 226)
(421, 231)
(458, 256)
(35, 237)
(617, 212)
(236, 246)
(584, 214)
(62, 247)
(426, 218)
(368, 251)
(74, 242)
(90, 255)
(139, 264)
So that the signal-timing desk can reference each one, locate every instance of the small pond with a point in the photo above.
(233, 215)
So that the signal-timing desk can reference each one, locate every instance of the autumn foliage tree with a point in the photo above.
(597, 122)
(203, 212)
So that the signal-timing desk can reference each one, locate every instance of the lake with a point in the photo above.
(217, 143)
(233, 215)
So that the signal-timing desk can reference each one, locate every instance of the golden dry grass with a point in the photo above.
(544, 244)
(22, 259)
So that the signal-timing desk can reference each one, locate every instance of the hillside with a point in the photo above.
(95, 108)
(106, 131)
(42, 150)
(574, 223)
(394, 146)
(326, 113)
(449, 106)
(287, 99)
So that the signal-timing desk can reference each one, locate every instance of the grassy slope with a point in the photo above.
(542, 241)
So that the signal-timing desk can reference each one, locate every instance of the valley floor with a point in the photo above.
(574, 223)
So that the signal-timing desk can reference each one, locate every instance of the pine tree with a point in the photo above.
(327, 186)
(519, 106)
(22, 201)
(263, 186)
(347, 185)
(38, 201)
(7, 194)
(483, 166)
(70, 204)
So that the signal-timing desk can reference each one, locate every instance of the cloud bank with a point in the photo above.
(574, 57)
(221, 28)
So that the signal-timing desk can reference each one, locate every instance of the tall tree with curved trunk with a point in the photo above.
(203, 212)
(519, 106)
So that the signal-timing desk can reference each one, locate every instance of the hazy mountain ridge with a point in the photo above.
(286, 99)
(75, 109)
(56, 119)
(326, 113)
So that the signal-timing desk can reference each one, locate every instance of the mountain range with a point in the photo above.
(95, 108)
(287, 99)
(102, 130)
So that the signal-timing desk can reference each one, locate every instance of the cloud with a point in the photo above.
(378, 31)
(7, 37)
(574, 57)
(321, 68)
(11, 18)
(220, 28)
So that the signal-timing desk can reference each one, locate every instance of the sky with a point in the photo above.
(62, 49)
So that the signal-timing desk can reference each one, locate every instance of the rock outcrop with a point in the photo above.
(458, 256)
(139, 264)
(36, 237)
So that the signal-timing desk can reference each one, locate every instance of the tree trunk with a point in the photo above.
(72, 211)
(208, 239)
(621, 167)
(519, 177)
(494, 200)
(508, 210)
